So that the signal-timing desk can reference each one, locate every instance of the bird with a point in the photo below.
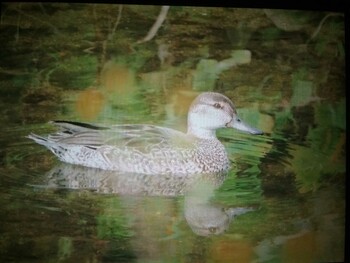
(150, 149)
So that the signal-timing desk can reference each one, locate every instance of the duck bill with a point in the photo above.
(241, 126)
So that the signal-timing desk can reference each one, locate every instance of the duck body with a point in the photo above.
(150, 149)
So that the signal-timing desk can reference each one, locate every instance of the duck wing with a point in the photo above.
(138, 136)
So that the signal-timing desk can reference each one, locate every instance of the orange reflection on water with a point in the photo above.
(116, 83)
(240, 251)
(90, 103)
(301, 248)
(117, 79)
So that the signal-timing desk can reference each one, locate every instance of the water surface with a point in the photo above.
(283, 200)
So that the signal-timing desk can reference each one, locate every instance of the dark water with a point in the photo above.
(283, 200)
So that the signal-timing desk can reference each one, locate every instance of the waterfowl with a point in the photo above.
(150, 149)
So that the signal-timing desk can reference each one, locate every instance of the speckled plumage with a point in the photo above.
(150, 149)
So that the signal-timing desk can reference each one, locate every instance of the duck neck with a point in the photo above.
(201, 133)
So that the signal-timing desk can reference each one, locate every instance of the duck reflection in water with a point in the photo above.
(203, 217)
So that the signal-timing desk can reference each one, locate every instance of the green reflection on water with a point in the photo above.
(65, 248)
(325, 157)
(111, 225)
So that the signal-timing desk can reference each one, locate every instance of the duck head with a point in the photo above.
(211, 111)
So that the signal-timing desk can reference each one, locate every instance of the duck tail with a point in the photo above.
(39, 139)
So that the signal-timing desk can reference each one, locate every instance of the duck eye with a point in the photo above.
(218, 105)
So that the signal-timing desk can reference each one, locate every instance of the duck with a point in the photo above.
(150, 149)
